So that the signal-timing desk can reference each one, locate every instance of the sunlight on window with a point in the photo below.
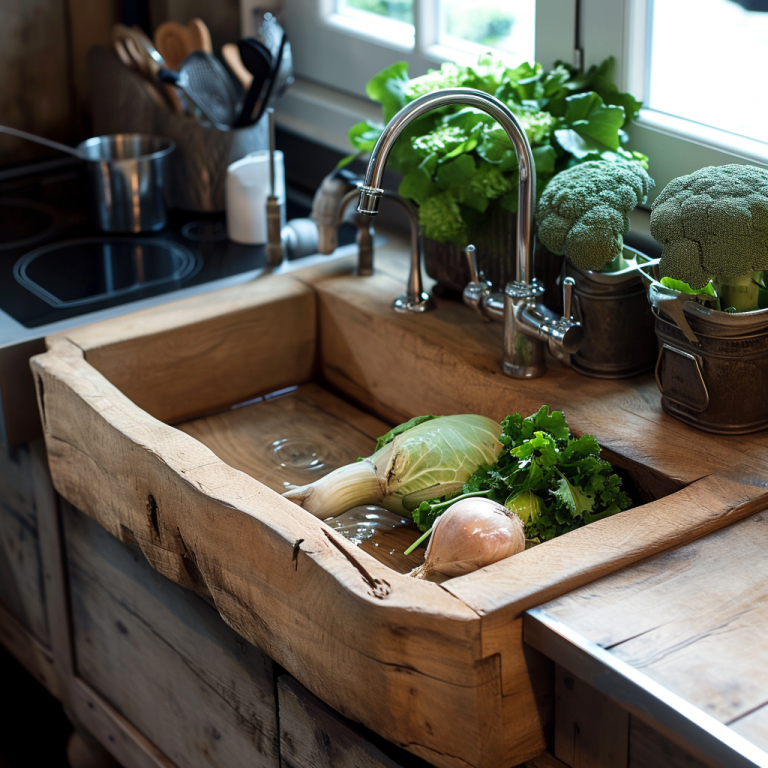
(503, 25)
(394, 10)
(708, 63)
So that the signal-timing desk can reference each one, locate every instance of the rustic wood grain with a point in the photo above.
(329, 613)
(370, 642)
(512, 586)
(590, 730)
(164, 659)
(312, 735)
(35, 657)
(451, 345)
(21, 572)
(154, 356)
(754, 727)
(544, 760)
(258, 439)
(649, 749)
(36, 88)
(693, 619)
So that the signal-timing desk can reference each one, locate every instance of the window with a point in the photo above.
(343, 43)
(716, 90)
(698, 65)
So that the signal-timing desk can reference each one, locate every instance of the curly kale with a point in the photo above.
(713, 225)
(583, 212)
(553, 481)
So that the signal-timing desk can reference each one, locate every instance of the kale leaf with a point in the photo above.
(553, 480)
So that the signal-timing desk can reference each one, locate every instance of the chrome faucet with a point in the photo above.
(528, 325)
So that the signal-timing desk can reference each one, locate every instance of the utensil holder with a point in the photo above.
(122, 102)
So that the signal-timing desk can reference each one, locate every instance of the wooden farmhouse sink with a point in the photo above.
(176, 427)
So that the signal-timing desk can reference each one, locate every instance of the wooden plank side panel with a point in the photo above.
(22, 589)
(163, 657)
(590, 730)
(196, 355)
(649, 749)
(330, 614)
(312, 735)
(35, 657)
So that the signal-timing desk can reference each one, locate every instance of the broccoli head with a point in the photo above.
(713, 224)
(583, 213)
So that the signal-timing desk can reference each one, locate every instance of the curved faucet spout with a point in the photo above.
(371, 192)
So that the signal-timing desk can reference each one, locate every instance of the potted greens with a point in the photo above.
(459, 166)
(583, 215)
(711, 303)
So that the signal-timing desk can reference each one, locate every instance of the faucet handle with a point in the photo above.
(475, 275)
(568, 285)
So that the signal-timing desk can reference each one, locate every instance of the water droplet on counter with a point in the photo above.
(298, 454)
(361, 523)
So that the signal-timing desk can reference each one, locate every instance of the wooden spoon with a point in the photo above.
(231, 56)
(176, 41)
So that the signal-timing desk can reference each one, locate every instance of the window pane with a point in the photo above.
(504, 25)
(708, 63)
(396, 10)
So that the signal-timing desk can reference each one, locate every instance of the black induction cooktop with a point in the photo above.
(55, 265)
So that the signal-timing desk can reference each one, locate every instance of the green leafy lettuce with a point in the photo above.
(457, 162)
(552, 480)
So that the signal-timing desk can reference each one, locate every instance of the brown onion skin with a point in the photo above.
(472, 534)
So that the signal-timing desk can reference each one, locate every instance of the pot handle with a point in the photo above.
(675, 394)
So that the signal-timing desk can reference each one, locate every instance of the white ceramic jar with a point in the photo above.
(247, 190)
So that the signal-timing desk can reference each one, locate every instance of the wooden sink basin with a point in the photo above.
(176, 427)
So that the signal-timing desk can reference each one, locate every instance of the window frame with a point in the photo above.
(675, 146)
(333, 66)
(338, 55)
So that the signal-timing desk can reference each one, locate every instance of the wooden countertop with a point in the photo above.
(361, 636)
(680, 639)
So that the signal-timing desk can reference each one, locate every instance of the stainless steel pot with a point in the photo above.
(127, 173)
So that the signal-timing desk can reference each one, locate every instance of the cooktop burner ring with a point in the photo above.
(185, 266)
(204, 231)
(55, 223)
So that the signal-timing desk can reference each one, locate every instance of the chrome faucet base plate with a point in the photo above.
(418, 304)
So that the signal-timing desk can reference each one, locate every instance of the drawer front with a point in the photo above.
(164, 659)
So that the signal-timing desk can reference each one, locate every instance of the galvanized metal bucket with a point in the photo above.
(619, 339)
(713, 374)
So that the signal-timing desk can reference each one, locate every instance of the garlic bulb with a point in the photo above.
(471, 534)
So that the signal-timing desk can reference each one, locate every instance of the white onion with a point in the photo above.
(471, 534)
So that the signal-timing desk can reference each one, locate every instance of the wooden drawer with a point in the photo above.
(164, 659)
(142, 436)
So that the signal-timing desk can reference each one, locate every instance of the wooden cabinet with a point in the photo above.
(164, 659)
